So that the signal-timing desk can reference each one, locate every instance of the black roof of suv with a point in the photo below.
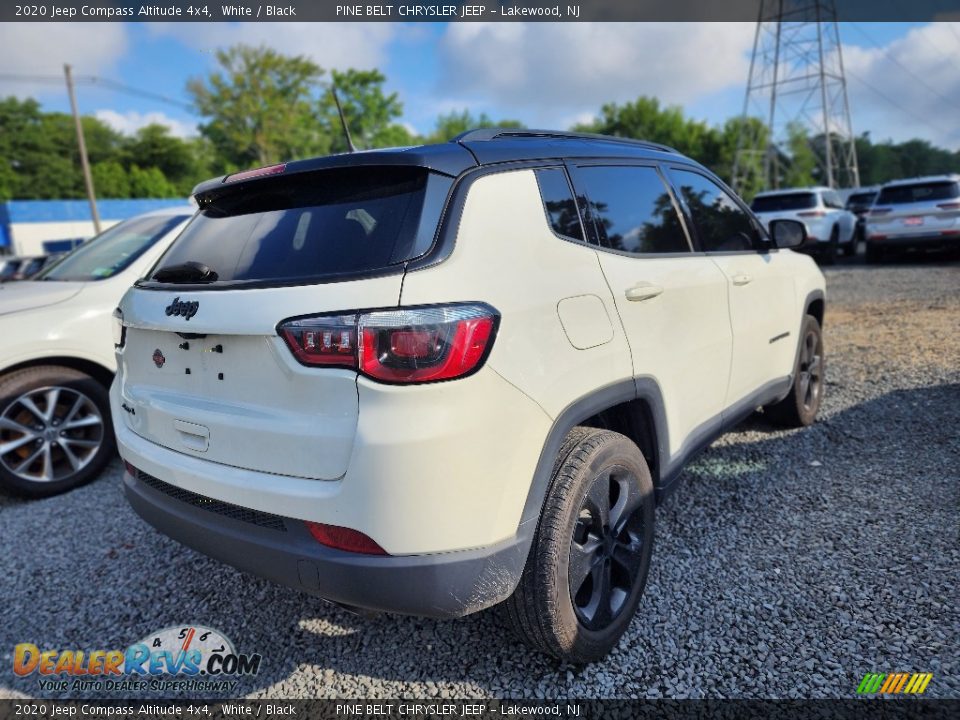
(473, 149)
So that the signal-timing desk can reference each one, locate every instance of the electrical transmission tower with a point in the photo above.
(796, 91)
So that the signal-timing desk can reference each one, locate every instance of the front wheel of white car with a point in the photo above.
(55, 431)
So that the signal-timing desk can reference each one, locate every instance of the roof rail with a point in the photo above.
(484, 134)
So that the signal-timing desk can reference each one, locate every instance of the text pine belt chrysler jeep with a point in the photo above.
(430, 380)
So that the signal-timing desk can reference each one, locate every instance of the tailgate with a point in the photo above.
(224, 386)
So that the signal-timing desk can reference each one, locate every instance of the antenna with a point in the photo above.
(343, 121)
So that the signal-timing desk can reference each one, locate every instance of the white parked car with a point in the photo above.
(429, 380)
(915, 214)
(830, 226)
(57, 355)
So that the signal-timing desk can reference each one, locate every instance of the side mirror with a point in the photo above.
(788, 233)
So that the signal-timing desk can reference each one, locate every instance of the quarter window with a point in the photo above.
(558, 203)
(722, 225)
(632, 210)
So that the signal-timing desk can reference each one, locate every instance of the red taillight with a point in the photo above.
(812, 213)
(330, 341)
(880, 211)
(413, 345)
(256, 172)
(950, 232)
(130, 468)
(416, 344)
(342, 538)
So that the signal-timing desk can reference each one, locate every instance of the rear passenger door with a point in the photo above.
(759, 279)
(672, 302)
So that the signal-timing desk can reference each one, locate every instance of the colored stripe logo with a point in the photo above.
(894, 683)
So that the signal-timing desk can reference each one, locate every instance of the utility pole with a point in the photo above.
(84, 161)
(796, 81)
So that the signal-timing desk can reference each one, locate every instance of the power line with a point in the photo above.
(93, 80)
(894, 103)
(903, 67)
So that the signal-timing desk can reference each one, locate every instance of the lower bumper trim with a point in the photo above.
(444, 585)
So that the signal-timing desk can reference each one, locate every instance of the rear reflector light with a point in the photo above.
(950, 232)
(880, 211)
(130, 468)
(413, 345)
(342, 538)
(812, 213)
(256, 172)
(876, 237)
(949, 206)
(330, 340)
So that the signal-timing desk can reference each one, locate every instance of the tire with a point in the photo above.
(850, 248)
(874, 254)
(829, 255)
(799, 408)
(581, 618)
(55, 431)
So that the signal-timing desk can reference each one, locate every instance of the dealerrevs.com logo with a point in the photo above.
(193, 658)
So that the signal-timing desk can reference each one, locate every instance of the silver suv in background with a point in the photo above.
(914, 214)
(830, 227)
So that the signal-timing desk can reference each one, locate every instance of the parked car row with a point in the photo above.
(902, 215)
(23, 268)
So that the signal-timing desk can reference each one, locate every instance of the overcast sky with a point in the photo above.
(903, 77)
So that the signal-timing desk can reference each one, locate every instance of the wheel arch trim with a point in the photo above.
(626, 390)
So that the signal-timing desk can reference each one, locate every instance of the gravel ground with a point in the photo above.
(789, 565)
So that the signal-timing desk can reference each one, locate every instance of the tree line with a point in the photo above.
(260, 107)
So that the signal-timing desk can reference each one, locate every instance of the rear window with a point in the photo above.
(921, 192)
(310, 226)
(780, 203)
(113, 250)
(860, 199)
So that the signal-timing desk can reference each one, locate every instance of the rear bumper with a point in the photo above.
(925, 240)
(442, 585)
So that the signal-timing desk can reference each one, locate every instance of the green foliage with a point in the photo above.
(150, 183)
(454, 123)
(110, 179)
(370, 113)
(40, 159)
(644, 119)
(261, 107)
(802, 168)
(887, 160)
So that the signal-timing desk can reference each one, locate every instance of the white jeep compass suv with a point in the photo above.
(429, 380)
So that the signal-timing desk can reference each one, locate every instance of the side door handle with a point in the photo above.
(741, 279)
(642, 291)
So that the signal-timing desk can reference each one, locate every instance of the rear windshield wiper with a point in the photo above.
(188, 272)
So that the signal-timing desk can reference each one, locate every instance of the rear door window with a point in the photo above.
(631, 209)
(920, 192)
(310, 226)
(722, 225)
(559, 203)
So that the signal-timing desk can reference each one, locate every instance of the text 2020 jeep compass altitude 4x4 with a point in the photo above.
(429, 380)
